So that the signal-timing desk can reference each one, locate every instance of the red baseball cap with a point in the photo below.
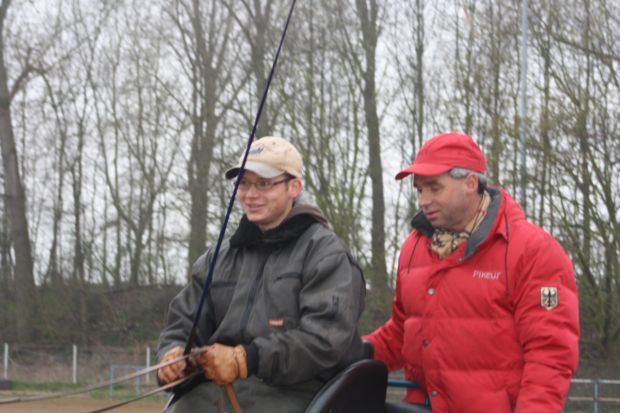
(443, 152)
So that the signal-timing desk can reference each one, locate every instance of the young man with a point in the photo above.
(485, 316)
(284, 302)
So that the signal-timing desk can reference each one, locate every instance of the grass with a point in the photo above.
(23, 386)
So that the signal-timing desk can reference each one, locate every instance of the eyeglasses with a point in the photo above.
(261, 186)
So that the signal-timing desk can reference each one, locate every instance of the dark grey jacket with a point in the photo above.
(292, 295)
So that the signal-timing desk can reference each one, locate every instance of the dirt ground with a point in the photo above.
(80, 405)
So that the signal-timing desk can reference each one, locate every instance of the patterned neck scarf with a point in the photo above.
(444, 241)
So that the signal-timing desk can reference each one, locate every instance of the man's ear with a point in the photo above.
(471, 181)
(295, 187)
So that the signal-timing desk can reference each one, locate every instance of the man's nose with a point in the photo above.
(423, 200)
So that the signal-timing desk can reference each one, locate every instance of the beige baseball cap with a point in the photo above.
(269, 157)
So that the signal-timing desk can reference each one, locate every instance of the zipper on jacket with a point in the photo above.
(251, 298)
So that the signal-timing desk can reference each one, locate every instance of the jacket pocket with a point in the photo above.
(282, 299)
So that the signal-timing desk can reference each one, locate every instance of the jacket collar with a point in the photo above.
(301, 217)
(486, 226)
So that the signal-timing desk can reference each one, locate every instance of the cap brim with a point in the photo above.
(259, 168)
(424, 169)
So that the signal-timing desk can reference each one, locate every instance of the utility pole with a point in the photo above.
(522, 102)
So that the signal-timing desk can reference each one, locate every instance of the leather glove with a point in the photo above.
(224, 364)
(174, 371)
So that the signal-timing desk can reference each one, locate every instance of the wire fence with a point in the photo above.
(71, 364)
(595, 395)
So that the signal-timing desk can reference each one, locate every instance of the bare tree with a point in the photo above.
(53, 274)
(464, 68)
(368, 13)
(544, 20)
(411, 111)
(15, 197)
(586, 165)
(137, 165)
(359, 28)
(411, 71)
(258, 21)
(210, 59)
(322, 110)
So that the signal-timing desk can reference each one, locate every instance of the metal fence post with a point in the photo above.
(111, 386)
(596, 395)
(147, 378)
(6, 361)
(75, 364)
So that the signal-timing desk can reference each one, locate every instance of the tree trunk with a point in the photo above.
(203, 141)
(368, 16)
(419, 75)
(15, 200)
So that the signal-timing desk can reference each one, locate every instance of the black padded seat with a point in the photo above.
(359, 388)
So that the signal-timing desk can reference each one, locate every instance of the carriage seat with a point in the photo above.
(360, 388)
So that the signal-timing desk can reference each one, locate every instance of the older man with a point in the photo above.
(485, 316)
(285, 298)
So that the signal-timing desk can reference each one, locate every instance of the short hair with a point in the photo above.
(460, 173)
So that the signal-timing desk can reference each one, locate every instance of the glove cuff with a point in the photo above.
(241, 360)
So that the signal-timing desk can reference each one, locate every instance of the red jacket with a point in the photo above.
(483, 330)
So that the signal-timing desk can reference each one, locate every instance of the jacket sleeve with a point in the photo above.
(331, 301)
(387, 340)
(181, 313)
(549, 336)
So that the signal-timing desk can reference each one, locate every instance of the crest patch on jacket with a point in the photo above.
(549, 298)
